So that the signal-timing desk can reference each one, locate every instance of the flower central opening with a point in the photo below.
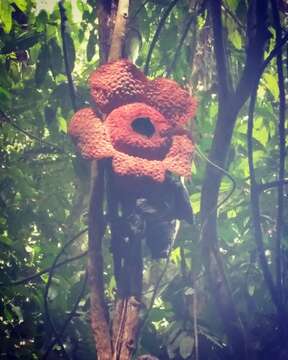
(143, 126)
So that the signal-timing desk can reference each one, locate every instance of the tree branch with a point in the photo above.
(46, 293)
(235, 19)
(106, 12)
(118, 36)
(98, 311)
(256, 218)
(65, 53)
(272, 184)
(68, 319)
(258, 35)
(9, 121)
(229, 105)
(157, 33)
(44, 271)
(223, 73)
(99, 314)
(181, 42)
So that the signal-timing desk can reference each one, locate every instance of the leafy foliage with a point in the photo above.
(44, 186)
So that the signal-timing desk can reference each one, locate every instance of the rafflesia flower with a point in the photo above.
(141, 127)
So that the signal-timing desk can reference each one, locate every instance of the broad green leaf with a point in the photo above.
(5, 15)
(272, 84)
(226, 185)
(55, 57)
(42, 19)
(260, 132)
(62, 124)
(186, 346)
(236, 39)
(17, 310)
(231, 214)
(258, 155)
(5, 96)
(21, 4)
(232, 4)
(23, 42)
(91, 46)
(195, 201)
(175, 255)
(42, 65)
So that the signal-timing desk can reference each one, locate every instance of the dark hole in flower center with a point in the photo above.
(143, 126)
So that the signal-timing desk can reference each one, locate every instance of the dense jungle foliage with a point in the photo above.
(224, 291)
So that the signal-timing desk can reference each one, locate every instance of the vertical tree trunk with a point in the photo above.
(230, 103)
(126, 316)
(98, 311)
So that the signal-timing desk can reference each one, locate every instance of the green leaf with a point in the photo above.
(235, 38)
(231, 214)
(62, 124)
(42, 19)
(55, 57)
(195, 201)
(175, 255)
(232, 4)
(5, 96)
(260, 132)
(21, 4)
(5, 15)
(23, 42)
(17, 310)
(186, 346)
(42, 65)
(91, 46)
(271, 84)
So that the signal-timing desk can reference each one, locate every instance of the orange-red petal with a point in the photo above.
(126, 165)
(120, 83)
(179, 158)
(88, 132)
(115, 84)
(125, 138)
(171, 100)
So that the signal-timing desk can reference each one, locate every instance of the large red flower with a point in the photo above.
(142, 126)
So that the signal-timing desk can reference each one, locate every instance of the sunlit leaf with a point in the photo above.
(232, 4)
(62, 124)
(5, 15)
(21, 4)
(272, 84)
(236, 39)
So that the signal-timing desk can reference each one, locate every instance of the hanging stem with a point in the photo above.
(282, 145)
